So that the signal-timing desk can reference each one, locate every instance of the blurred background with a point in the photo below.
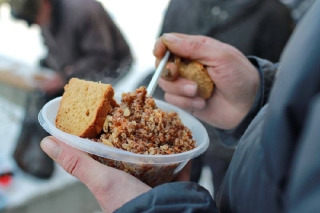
(22, 48)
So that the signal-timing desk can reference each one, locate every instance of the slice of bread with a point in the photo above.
(84, 107)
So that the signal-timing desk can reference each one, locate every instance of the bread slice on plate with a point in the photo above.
(84, 107)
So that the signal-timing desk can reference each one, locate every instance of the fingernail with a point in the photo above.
(198, 104)
(190, 89)
(50, 147)
(170, 38)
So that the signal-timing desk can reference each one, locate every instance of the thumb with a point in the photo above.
(77, 163)
(111, 187)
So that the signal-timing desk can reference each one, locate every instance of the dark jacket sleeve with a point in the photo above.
(172, 197)
(105, 52)
(304, 187)
(267, 71)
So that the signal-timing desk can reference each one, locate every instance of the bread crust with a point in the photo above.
(196, 72)
(104, 108)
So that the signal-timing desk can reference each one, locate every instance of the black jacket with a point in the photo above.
(255, 27)
(84, 42)
(275, 167)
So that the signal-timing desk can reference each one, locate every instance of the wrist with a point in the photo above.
(256, 103)
(66, 73)
(118, 190)
(62, 79)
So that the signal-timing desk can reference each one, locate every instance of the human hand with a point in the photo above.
(49, 83)
(236, 79)
(111, 187)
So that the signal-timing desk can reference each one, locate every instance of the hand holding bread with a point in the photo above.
(191, 70)
(236, 80)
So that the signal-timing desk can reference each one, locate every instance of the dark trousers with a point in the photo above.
(28, 155)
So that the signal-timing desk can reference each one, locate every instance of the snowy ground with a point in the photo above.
(139, 21)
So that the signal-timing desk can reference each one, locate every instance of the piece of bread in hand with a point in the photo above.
(196, 72)
(84, 107)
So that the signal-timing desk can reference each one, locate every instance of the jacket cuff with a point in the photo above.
(172, 197)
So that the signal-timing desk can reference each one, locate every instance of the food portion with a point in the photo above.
(151, 174)
(84, 107)
(196, 72)
(137, 125)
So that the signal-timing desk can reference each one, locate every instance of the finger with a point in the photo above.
(200, 38)
(159, 49)
(170, 59)
(47, 88)
(42, 88)
(111, 187)
(186, 103)
(83, 167)
(74, 161)
(191, 47)
(171, 72)
(181, 86)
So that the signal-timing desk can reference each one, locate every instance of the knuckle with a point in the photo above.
(192, 46)
(227, 52)
(71, 164)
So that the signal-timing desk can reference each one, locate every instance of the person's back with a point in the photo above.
(83, 35)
